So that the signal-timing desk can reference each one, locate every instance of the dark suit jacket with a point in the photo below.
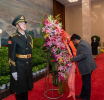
(18, 44)
(84, 58)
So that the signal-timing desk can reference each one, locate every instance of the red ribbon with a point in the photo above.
(71, 79)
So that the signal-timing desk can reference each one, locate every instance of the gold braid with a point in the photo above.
(14, 34)
(11, 62)
(31, 43)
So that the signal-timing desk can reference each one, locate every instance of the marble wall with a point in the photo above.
(73, 19)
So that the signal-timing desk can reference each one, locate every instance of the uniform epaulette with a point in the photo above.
(31, 43)
(14, 34)
(29, 36)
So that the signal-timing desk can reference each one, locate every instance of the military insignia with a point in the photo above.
(9, 42)
(22, 17)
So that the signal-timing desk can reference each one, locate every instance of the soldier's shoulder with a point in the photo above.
(13, 35)
(29, 36)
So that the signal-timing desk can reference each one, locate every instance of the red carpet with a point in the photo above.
(97, 89)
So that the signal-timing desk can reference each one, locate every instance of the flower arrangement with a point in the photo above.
(51, 29)
(100, 50)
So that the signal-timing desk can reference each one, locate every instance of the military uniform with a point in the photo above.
(20, 61)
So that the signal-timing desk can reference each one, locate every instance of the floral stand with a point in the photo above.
(48, 78)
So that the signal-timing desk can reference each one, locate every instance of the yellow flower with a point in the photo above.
(60, 60)
(56, 49)
(46, 35)
(49, 18)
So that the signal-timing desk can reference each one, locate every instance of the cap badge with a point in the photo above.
(22, 17)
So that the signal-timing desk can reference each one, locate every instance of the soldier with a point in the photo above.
(20, 48)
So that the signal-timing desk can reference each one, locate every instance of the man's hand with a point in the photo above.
(71, 60)
(14, 74)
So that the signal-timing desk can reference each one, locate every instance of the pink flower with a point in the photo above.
(46, 21)
(61, 76)
(45, 44)
(48, 30)
(49, 43)
(59, 56)
(43, 29)
(61, 68)
(54, 60)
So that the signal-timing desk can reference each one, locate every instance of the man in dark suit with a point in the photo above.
(86, 65)
(20, 48)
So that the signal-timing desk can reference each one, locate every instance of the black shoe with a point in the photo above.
(79, 96)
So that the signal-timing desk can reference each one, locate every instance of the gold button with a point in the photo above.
(26, 48)
(27, 62)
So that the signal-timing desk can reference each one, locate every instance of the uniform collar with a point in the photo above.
(22, 33)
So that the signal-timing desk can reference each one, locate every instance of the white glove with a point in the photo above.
(14, 74)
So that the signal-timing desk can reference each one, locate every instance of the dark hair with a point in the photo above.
(75, 36)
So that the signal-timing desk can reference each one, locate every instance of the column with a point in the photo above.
(86, 20)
